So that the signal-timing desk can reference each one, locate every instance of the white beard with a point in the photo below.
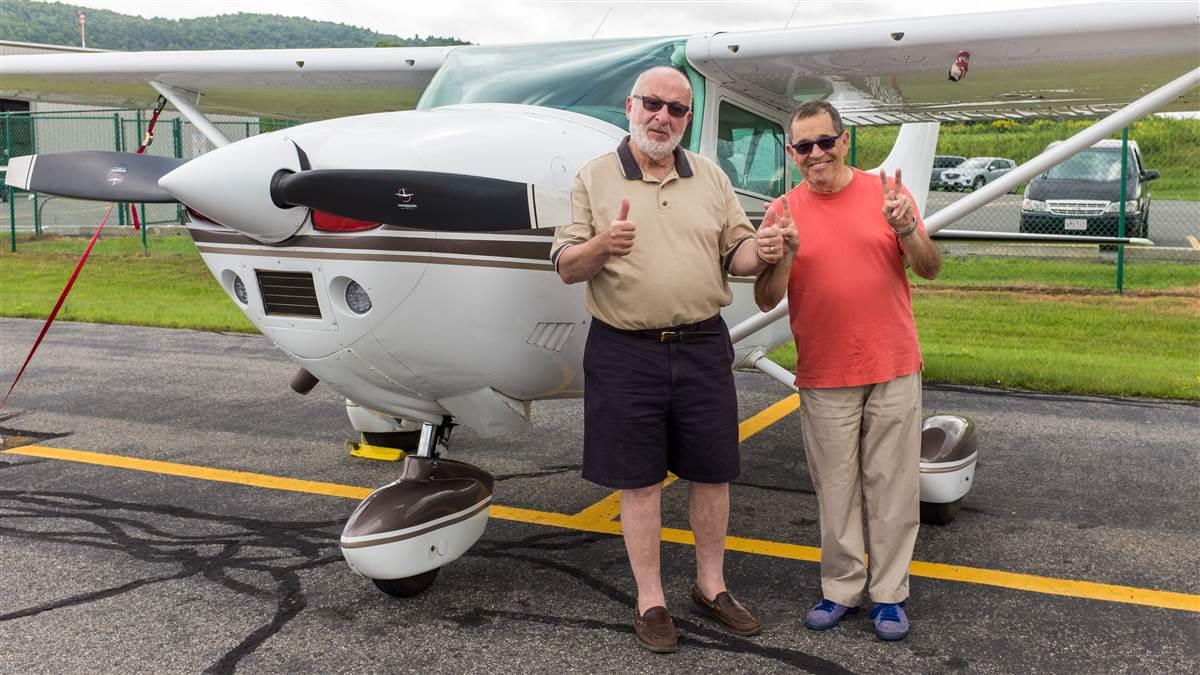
(656, 150)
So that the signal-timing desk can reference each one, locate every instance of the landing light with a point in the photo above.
(357, 299)
(327, 222)
(239, 290)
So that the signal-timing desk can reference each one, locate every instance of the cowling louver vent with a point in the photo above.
(288, 294)
(552, 336)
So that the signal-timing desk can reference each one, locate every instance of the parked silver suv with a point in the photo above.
(976, 172)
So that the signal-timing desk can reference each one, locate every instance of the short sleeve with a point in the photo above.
(737, 227)
(581, 227)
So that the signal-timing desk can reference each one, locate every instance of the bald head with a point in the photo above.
(661, 75)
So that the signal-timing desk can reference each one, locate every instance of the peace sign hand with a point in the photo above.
(897, 207)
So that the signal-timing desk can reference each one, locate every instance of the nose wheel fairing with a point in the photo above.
(403, 533)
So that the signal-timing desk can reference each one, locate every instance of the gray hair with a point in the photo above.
(812, 109)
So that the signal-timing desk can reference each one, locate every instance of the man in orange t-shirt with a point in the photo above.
(858, 363)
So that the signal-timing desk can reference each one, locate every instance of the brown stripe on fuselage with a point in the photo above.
(377, 257)
(496, 248)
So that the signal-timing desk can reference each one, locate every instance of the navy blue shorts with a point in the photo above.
(652, 406)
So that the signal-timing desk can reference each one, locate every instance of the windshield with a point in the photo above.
(975, 163)
(591, 77)
(1094, 164)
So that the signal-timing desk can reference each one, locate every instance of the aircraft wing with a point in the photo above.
(286, 83)
(1081, 59)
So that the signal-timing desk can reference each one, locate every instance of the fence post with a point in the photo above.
(12, 207)
(117, 145)
(853, 146)
(177, 137)
(142, 207)
(1121, 211)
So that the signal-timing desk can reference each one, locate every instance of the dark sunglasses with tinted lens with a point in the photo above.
(653, 105)
(825, 143)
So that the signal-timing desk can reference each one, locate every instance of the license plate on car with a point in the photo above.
(1075, 224)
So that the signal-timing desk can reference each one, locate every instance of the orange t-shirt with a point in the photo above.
(848, 295)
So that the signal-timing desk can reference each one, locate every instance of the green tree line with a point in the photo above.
(58, 24)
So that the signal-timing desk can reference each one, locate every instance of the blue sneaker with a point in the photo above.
(890, 621)
(826, 614)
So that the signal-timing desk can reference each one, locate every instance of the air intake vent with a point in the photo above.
(288, 294)
(552, 336)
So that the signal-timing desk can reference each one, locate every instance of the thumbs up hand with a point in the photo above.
(620, 233)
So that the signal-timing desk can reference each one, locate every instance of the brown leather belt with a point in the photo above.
(672, 333)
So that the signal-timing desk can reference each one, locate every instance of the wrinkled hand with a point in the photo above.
(776, 232)
(897, 207)
(618, 238)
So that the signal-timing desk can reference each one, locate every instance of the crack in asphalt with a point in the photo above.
(114, 531)
(548, 471)
(291, 548)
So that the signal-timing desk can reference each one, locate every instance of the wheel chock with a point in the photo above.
(367, 451)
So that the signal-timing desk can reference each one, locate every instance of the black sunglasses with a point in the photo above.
(653, 105)
(824, 142)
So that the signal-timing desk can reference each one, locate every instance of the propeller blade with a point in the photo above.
(418, 199)
(96, 175)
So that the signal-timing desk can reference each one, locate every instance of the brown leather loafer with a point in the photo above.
(728, 611)
(655, 630)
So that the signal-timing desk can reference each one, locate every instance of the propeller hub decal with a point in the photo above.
(405, 198)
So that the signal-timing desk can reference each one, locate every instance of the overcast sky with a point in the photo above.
(494, 22)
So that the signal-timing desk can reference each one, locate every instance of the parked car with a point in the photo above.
(1082, 194)
(941, 163)
(976, 172)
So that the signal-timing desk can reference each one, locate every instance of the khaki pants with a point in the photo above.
(865, 442)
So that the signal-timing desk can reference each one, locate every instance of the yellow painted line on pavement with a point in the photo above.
(1194, 242)
(971, 575)
(772, 414)
(193, 471)
(610, 507)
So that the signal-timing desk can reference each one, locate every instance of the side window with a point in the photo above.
(750, 150)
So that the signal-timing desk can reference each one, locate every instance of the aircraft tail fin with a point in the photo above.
(913, 155)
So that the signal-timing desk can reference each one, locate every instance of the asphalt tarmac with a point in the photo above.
(129, 544)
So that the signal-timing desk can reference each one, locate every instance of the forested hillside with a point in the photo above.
(58, 24)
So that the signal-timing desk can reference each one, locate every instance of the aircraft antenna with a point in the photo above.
(602, 20)
(793, 14)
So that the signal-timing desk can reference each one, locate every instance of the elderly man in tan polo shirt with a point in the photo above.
(655, 231)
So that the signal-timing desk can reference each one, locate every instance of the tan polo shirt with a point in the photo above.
(688, 228)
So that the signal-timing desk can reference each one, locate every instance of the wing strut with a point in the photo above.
(179, 99)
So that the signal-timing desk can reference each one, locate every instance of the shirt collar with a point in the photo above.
(631, 170)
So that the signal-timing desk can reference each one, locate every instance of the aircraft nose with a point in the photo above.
(232, 186)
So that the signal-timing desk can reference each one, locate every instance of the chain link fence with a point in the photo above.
(27, 215)
(1158, 199)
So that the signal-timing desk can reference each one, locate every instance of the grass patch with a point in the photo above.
(1021, 273)
(169, 291)
(1056, 326)
(1118, 346)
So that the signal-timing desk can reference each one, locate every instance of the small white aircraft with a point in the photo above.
(402, 257)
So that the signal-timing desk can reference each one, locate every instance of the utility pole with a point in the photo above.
(83, 30)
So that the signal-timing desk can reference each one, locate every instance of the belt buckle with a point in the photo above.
(668, 336)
